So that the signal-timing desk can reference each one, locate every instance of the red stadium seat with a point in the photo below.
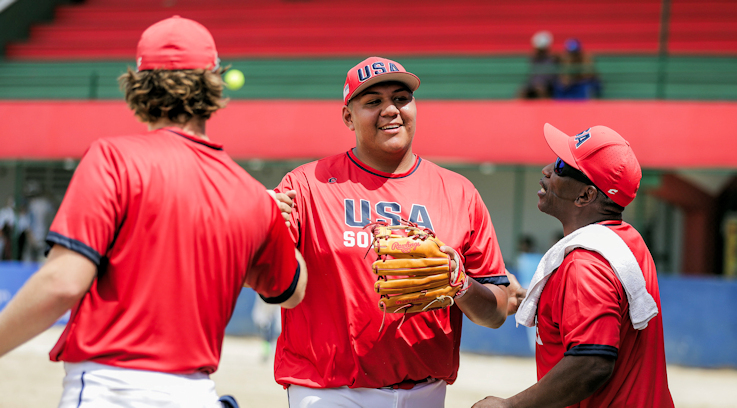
(109, 29)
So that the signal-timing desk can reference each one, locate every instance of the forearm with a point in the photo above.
(33, 310)
(572, 380)
(299, 293)
(45, 297)
(484, 304)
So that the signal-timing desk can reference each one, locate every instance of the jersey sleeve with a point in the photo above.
(92, 209)
(274, 270)
(589, 308)
(482, 256)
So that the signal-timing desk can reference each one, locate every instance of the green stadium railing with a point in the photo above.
(499, 77)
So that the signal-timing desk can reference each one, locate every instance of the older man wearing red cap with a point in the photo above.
(594, 296)
(338, 349)
(156, 236)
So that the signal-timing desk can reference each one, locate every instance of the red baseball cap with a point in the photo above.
(603, 156)
(176, 43)
(374, 70)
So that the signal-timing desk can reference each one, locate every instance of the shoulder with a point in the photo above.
(587, 268)
(429, 168)
(584, 258)
(629, 234)
(113, 150)
(306, 176)
(330, 164)
(126, 143)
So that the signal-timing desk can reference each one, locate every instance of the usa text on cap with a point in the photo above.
(374, 70)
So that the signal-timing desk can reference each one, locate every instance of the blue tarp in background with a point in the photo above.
(699, 320)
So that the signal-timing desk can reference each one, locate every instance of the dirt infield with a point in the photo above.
(29, 379)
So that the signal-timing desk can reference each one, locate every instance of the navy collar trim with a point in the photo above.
(382, 174)
(200, 141)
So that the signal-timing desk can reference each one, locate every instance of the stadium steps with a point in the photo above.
(623, 77)
(703, 27)
(108, 29)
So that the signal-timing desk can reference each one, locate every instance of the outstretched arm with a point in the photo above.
(285, 202)
(572, 380)
(484, 304)
(45, 297)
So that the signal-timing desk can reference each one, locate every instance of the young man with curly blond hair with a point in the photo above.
(155, 238)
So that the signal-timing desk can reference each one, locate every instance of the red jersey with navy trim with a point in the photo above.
(583, 311)
(176, 228)
(332, 338)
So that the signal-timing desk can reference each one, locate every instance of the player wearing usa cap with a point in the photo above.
(595, 293)
(156, 236)
(337, 348)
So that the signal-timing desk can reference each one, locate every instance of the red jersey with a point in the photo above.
(176, 228)
(332, 338)
(583, 311)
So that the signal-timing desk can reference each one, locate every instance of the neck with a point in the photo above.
(580, 222)
(393, 164)
(194, 126)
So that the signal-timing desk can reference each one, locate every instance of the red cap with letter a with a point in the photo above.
(374, 70)
(176, 43)
(603, 156)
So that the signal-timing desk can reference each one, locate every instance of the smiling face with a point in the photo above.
(383, 118)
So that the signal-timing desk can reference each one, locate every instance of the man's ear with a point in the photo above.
(348, 118)
(587, 195)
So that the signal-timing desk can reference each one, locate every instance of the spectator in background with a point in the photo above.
(41, 212)
(267, 318)
(577, 79)
(23, 230)
(543, 68)
(7, 223)
(528, 257)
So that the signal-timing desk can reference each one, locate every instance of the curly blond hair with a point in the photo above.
(177, 95)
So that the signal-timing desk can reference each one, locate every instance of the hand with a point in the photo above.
(516, 294)
(492, 402)
(454, 258)
(285, 202)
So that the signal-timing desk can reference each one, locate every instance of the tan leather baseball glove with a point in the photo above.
(414, 275)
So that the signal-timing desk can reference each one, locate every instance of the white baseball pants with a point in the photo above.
(92, 385)
(424, 395)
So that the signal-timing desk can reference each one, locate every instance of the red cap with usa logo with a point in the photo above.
(603, 156)
(374, 70)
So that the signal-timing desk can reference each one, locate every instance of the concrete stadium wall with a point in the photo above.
(699, 320)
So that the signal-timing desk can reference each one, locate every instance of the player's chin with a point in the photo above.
(393, 137)
(546, 208)
(541, 203)
(395, 144)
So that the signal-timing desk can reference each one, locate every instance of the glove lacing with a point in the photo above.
(427, 233)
